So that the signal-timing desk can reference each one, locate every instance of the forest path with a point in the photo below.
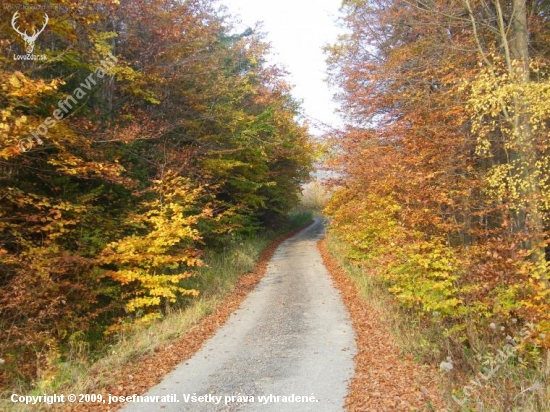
(291, 336)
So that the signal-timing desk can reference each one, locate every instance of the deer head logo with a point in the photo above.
(29, 40)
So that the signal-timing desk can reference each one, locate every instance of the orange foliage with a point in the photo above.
(415, 202)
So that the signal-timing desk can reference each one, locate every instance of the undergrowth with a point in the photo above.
(487, 376)
(81, 370)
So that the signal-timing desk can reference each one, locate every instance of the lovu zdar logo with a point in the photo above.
(29, 39)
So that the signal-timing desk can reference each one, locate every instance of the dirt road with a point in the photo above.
(289, 347)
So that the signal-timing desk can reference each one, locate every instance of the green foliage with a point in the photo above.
(425, 277)
(299, 218)
(183, 137)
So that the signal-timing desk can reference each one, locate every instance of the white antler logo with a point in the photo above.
(29, 40)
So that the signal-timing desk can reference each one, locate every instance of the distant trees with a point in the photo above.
(189, 136)
(446, 156)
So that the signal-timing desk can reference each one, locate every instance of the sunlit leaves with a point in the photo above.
(187, 137)
(154, 259)
(444, 164)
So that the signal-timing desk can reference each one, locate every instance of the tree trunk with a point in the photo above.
(529, 219)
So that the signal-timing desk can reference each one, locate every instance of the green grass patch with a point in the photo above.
(299, 218)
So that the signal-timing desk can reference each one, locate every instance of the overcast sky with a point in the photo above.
(297, 30)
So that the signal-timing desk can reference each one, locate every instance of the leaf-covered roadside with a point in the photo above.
(141, 373)
(384, 380)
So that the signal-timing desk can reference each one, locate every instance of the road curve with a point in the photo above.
(291, 336)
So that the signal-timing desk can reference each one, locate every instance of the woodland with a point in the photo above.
(114, 178)
(188, 140)
(443, 191)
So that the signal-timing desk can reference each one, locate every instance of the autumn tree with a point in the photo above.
(444, 157)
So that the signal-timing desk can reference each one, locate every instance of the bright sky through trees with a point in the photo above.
(297, 30)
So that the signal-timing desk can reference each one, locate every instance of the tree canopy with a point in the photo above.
(144, 132)
(444, 162)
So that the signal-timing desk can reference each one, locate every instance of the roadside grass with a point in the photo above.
(80, 373)
(522, 382)
(300, 218)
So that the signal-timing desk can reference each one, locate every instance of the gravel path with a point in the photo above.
(291, 337)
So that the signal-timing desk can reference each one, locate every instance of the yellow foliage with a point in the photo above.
(152, 264)
(510, 112)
